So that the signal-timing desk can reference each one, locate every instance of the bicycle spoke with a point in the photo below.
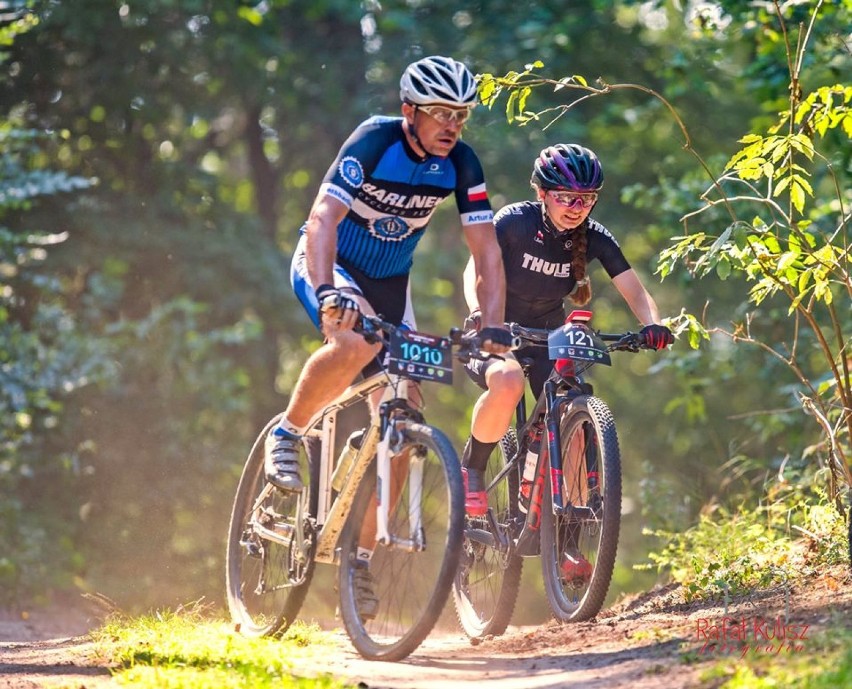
(411, 585)
(487, 583)
(270, 559)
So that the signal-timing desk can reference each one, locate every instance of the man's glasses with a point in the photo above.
(570, 198)
(444, 115)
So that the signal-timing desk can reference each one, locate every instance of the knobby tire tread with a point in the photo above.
(593, 599)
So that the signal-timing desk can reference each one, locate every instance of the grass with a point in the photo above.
(825, 662)
(186, 651)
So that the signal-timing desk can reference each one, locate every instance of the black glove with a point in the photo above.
(330, 298)
(498, 336)
(657, 336)
(473, 321)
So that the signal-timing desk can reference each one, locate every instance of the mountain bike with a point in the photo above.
(568, 512)
(404, 483)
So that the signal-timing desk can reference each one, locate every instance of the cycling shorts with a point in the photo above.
(389, 297)
(538, 371)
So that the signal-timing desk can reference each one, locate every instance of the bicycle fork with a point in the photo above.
(387, 450)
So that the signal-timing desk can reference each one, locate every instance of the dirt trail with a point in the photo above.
(642, 643)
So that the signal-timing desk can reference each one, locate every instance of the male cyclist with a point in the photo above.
(356, 248)
(546, 246)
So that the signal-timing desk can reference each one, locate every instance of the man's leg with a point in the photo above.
(327, 373)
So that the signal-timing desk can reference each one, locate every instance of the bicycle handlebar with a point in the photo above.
(467, 345)
(624, 342)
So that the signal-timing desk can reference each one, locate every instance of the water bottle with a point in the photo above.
(529, 471)
(347, 457)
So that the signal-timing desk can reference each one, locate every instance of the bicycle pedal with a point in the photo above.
(253, 549)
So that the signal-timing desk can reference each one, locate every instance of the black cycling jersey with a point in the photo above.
(538, 264)
(538, 278)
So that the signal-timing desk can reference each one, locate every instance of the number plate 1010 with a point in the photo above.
(420, 356)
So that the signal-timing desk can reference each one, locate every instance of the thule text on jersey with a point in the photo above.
(539, 265)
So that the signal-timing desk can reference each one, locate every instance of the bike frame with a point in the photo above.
(379, 439)
(547, 411)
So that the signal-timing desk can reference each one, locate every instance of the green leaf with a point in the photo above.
(786, 260)
(797, 196)
(782, 185)
(723, 268)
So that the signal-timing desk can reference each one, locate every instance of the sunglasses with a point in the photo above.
(570, 198)
(444, 115)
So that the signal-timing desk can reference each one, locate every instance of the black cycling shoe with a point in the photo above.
(365, 599)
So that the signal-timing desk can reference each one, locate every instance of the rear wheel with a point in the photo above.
(412, 575)
(578, 548)
(489, 576)
(270, 545)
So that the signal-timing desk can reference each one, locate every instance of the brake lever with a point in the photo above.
(633, 342)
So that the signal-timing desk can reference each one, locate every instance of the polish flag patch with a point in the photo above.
(477, 193)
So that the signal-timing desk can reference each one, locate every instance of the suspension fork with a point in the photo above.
(554, 442)
(383, 482)
(383, 465)
(386, 452)
(590, 442)
(392, 436)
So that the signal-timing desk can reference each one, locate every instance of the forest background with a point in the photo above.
(157, 158)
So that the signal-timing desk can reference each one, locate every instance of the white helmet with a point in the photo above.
(437, 79)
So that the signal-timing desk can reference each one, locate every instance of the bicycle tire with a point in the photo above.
(596, 538)
(412, 586)
(266, 581)
(486, 586)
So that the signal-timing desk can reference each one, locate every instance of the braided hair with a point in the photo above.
(582, 292)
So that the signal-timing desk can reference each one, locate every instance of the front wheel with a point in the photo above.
(489, 576)
(270, 545)
(409, 578)
(578, 548)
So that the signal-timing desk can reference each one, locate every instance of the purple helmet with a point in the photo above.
(567, 166)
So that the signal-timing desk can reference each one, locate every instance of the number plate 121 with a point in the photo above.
(420, 356)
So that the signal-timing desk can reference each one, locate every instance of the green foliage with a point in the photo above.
(186, 649)
(786, 203)
(794, 530)
(44, 357)
(20, 183)
(795, 251)
(209, 129)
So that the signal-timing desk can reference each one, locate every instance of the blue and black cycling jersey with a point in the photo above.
(391, 194)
